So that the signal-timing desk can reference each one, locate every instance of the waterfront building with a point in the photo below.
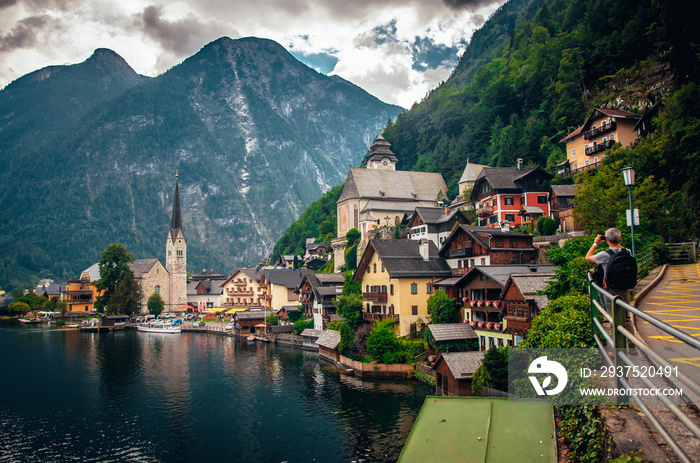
(204, 290)
(454, 372)
(316, 294)
(397, 279)
(80, 293)
(243, 289)
(153, 278)
(280, 287)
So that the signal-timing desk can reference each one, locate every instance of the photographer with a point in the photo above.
(603, 258)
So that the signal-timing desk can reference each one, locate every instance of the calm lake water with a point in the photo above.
(146, 397)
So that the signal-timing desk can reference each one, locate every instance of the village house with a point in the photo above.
(280, 287)
(204, 290)
(380, 196)
(469, 246)
(250, 321)
(286, 261)
(153, 278)
(328, 343)
(509, 194)
(314, 250)
(521, 302)
(80, 293)
(316, 294)
(397, 279)
(454, 372)
(447, 334)
(585, 146)
(243, 289)
(434, 223)
(561, 203)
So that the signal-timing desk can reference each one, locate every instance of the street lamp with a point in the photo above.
(628, 176)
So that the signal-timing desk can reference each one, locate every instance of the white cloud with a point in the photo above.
(373, 40)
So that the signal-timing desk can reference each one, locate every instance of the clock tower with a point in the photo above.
(380, 155)
(176, 256)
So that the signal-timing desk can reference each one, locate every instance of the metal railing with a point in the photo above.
(681, 253)
(619, 336)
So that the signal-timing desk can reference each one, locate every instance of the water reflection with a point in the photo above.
(144, 397)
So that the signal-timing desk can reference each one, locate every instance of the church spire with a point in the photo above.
(176, 221)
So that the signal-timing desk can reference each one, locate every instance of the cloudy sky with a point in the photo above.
(397, 50)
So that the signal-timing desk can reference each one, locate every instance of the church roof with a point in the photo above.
(176, 220)
(392, 184)
(471, 172)
(380, 149)
(141, 266)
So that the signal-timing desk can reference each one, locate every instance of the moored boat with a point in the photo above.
(160, 327)
(29, 320)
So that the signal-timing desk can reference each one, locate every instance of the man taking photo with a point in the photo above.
(619, 266)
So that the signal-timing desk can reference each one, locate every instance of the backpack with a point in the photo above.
(622, 270)
(599, 275)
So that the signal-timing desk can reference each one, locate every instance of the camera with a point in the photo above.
(602, 236)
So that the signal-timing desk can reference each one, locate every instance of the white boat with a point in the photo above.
(160, 326)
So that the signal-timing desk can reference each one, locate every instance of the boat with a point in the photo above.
(250, 338)
(29, 320)
(160, 326)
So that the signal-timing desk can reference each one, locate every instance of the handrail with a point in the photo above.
(619, 336)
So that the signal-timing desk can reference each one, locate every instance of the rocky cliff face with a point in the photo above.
(255, 135)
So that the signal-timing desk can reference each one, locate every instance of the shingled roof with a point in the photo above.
(330, 339)
(501, 273)
(402, 259)
(564, 190)
(530, 284)
(462, 364)
(141, 266)
(452, 332)
(392, 184)
(290, 279)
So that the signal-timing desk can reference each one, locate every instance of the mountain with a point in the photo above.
(46, 103)
(254, 134)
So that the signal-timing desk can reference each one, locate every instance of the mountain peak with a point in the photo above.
(104, 58)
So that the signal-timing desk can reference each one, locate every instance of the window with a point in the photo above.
(612, 137)
(414, 310)
(382, 267)
(541, 200)
(500, 342)
(494, 203)
(509, 201)
(483, 261)
(522, 200)
(157, 289)
(391, 289)
(492, 342)
(414, 288)
(366, 288)
(180, 253)
(482, 342)
(483, 222)
(374, 266)
(510, 217)
(595, 160)
(429, 288)
(587, 162)
(384, 289)
(493, 219)
(573, 153)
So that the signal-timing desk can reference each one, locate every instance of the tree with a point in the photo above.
(18, 307)
(272, 319)
(126, 299)
(113, 266)
(563, 324)
(301, 324)
(442, 309)
(155, 304)
(546, 226)
(493, 371)
(352, 237)
(382, 344)
(350, 308)
(347, 341)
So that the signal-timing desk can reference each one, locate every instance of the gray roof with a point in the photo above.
(288, 278)
(378, 205)
(207, 275)
(532, 210)
(471, 172)
(479, 233)
(312, 333)
(529, 284)
(94, 272)
(253, 314)
(435, 215)
(54, 289)
(564, 190)
(282, 328)
(330, 278)
(213, 287)
(402, 259)
(141, 266)
(452, 332)
(501, 273)
(463, 364)
(395, 184)
(330, 339)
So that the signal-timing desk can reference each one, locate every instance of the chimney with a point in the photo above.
(504, 226)
(533, 268)
(520, 163)
(447, 209)
(424, 248)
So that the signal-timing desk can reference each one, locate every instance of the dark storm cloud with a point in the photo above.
(23, 34)
(6, 3)
(469, 5)
(180, 37)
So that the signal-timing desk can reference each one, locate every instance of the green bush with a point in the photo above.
(546, 226)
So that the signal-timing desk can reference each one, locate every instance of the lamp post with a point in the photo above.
(628, 176)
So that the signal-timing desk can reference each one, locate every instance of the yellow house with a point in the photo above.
(243, 289)
(80, 293)
(280, 287)
(585, 146)
(397, 279)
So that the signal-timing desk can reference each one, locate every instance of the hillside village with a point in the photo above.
(409, 243)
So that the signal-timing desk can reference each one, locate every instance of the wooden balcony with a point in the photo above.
(599, 147)
(594, 132)
(485, 211)
(463, 252)
(377, 317)
(374, 297)
(520, 324)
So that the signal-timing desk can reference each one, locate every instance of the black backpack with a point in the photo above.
(622, 270)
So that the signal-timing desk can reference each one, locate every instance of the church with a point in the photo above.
(169, 281)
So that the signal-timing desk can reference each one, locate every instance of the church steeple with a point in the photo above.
(176, 220)
(380, 155)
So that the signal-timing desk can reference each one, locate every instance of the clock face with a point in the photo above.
(385, 162)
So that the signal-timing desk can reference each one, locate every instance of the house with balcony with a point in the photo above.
(205, 290)
(521, 302)
(434, 223)
(502, 195)
(561, 203)
(80, 293)
(380, 196)
(585, 146)
(468, 246)
(316, 294)
(243, 289)
(397, 278)
(481, 307)
(280, 287)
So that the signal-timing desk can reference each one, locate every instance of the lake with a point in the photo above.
(193, 397)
